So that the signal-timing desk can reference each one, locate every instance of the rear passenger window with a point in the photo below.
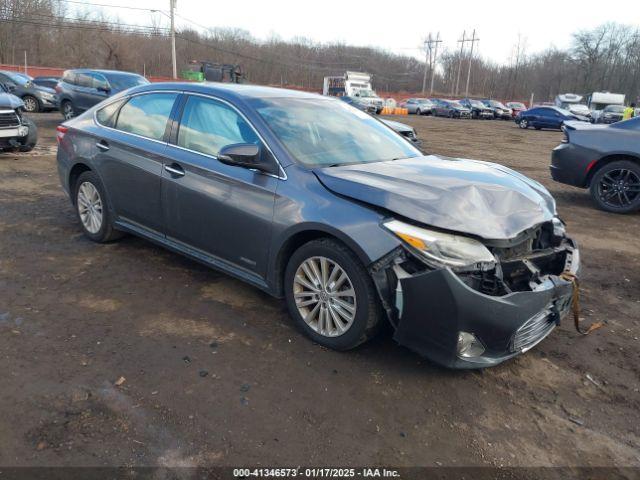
(83, 79)
(69, 77)
(107, 116)
(147, 115)
(208, 125)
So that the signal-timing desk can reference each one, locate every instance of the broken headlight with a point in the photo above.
(443, 249)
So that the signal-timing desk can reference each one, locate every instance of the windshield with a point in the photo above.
(123, 81)
(19, 78)
(614, 109)
(424, 101)
(323, 132)
(516, 105)
(367, 93)
(496, 104)
(476, 103)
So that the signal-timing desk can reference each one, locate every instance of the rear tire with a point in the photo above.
(615, 187)
(418, 112)
(317, 303)
(92, 209)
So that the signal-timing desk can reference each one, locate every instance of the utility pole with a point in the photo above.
(172, 6)
(435, 59)
(473, 41)
(427, 62)
(464, 32)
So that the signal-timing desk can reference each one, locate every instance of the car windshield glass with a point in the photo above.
(515, 105)
(19, 78)
(476, 103)
(564, 112)
(367, 93)
(322, 132)
(614, 109)
(424, 101)
(124, 81)
(497, 104)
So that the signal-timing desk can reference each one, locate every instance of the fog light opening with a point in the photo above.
(469, 346)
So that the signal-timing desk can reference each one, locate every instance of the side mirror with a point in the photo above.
(103, 89)
(247, 155)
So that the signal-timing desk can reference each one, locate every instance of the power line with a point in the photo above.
(113, 6)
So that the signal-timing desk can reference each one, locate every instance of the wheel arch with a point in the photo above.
(606, 160)
(302, 236)
(75, 172)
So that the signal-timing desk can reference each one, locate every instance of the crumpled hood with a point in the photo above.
(8, 100)
(467, 196)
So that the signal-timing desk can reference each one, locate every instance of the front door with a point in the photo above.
(221, 210)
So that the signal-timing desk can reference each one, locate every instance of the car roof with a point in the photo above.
(100, 70)
(229, 90)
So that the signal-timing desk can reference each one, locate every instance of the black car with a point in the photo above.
(35, 97)
(49, 82)
(17, 132)
(603, 158)
(79, 90)
(321, 204)
(546, 117)
(500, 112)
(478, 109)
(610, 114)
(450, 108)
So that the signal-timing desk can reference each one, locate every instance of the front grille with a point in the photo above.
(533, 330)
(9, 120)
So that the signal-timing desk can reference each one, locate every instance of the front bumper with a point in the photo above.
(14, 132)
(438, 305)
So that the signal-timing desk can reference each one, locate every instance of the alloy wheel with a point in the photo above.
(67, 111)
(523, 124)
(90, 207)
(619, 188)
(30, 104)
(325, 296)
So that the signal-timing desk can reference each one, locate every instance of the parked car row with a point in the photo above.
(465, 108)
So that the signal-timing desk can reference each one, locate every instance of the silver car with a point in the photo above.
(419, 106)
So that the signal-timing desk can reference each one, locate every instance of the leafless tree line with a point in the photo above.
(606, 58)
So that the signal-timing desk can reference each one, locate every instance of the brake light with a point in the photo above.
(60, 132)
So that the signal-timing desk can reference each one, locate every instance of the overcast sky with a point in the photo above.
(401, 26)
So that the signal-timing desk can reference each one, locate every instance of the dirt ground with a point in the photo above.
(216, 374)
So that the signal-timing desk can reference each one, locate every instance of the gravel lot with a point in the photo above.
(215, 373)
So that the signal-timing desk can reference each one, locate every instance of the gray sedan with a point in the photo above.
(419, 106)
(310, 199)
(35, 97)
(603, 158)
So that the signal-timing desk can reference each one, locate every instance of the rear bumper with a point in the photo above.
(438, 305)
(569, 163)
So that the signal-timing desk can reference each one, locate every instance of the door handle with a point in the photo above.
(175, 170)
(102, 145)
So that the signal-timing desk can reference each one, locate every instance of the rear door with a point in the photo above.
(130, 154)
(223, 211)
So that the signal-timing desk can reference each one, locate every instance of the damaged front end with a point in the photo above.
(476, 314)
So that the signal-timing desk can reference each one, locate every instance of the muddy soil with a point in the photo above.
(216, 374)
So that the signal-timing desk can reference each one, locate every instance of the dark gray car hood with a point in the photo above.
(468, 196)
(8, 100)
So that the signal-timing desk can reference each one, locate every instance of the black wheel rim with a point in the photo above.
(619, 188)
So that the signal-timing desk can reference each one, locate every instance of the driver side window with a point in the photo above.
(208, 125)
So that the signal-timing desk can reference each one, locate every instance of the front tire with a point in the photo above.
(29, 142)
(331, 296)
(31, 104)
(616, 187)
(67, 109)
(92, 209)
(418, 112)
(524, 124)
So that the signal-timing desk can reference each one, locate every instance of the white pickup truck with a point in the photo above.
(353, 84)
(17, 132)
